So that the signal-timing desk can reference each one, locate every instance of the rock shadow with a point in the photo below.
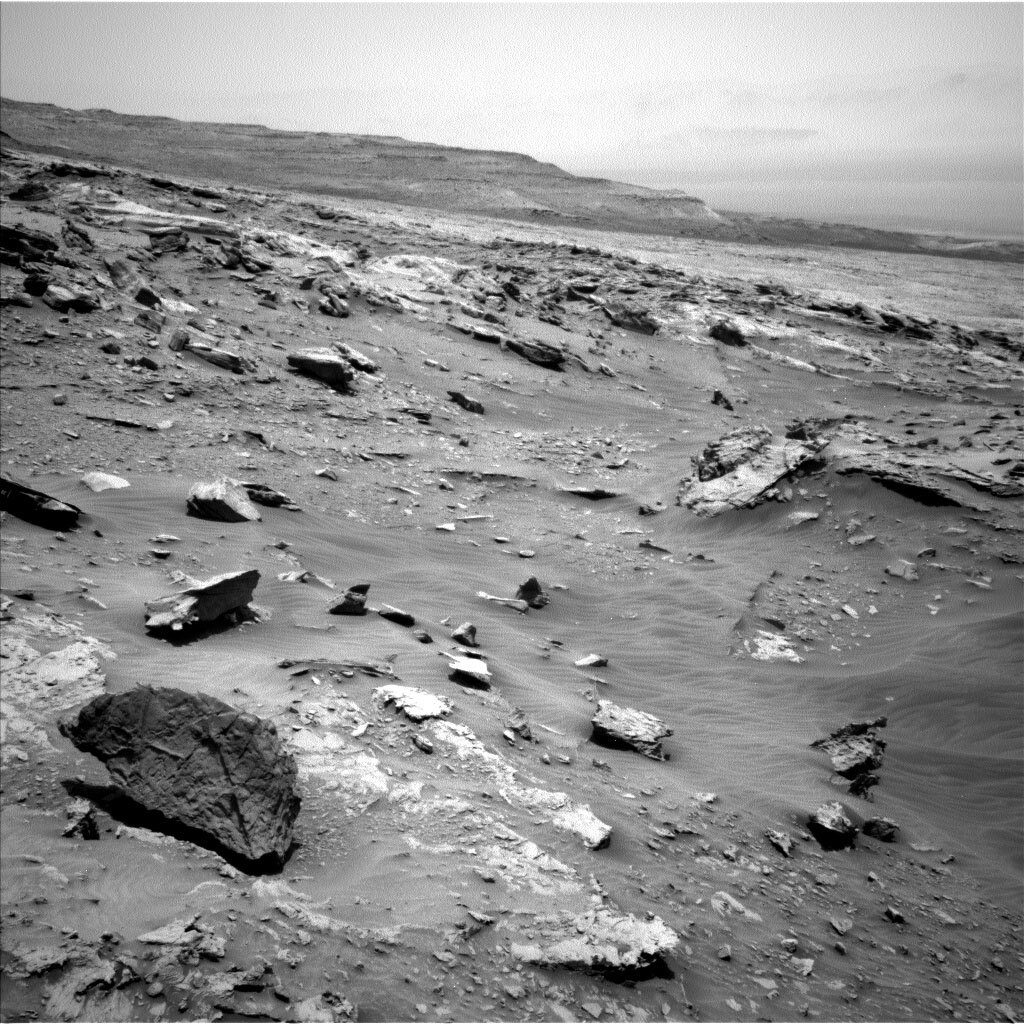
(122, 808)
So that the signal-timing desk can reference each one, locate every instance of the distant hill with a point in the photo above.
(422, 174)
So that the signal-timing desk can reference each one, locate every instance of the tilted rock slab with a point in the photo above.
(198, 762)
(737, 470)
(204, 601)
(222, 501)
(626, 727)
(600, 940)
(325, 365)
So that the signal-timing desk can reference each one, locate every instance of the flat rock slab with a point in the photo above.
(99, 482)
(737, 470)
(222, 501)
(472, 671)
(36, 507)
(623, 727)
(601, 941)
(416, 704)
(323, 364)
(204, 601)
(199, 763)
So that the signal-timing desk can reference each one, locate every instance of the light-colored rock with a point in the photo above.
(417, 705)
(626, 727)
(98, 482)
(203, 601)
(223, 501)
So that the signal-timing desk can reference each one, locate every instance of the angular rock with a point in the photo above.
(737, 470)
(417, 705)
(36, 507)
(509, 602)
(591, 493)
(221, 357)
(204, 601)
(17, 243)
(469, 404)
(465, 635)
(538, 352)
(532, 594)
(601, 941)
(325, 365)
(856, 752)
(517, 724)
(883, 829)
(782, 841)
(361, 362)
(902, 569)
(199, 763)
(99, 482)
(831, 827)
(728, 333)
(631, 318)
(396, 615)
(623, 727)
(223, 501)
(473, 671)
(262, 494)
(353, 602)
(81, 817)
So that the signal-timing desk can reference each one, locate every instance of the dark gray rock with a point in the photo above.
(538, 352)
(353, 602)
(631, 318)
(465, 635)
(728, 333)
(831, 826)
(856, 752)
(532, 594)
(469, 404)
(36, 507)
(202, 602)
(223, 501)
(198, 763)
(883, 829)
(396, 615)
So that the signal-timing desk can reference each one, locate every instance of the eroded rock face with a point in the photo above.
(601, 941)
(738, 469)
(626, 727)
(204, 601)
(199, 763)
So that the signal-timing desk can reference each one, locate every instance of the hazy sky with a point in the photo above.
(903, 114)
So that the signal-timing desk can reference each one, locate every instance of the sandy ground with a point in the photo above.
(419, 878)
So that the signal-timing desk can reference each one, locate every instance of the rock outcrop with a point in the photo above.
(198, 763)
(325, 365)
(417, 705)
(600, 941)
(741, 468)
(856, 752)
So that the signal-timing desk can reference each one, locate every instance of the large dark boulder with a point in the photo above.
(36, 507)
(221, 775)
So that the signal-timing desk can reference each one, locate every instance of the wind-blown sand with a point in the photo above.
(396, 846)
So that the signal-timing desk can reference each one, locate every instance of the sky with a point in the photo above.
(905, 115)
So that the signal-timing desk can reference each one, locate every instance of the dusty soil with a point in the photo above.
(431, 859)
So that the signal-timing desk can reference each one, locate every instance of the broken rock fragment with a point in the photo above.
(470, 670)
(99, 482)
(599, 940)
(532, 594)
(222, 501)
(856, 752)
(416, 704)
(325, 365)
(623, 727)
(199, 763)
(36, 507)
(831, 826)
(202, 602)
(353, 602)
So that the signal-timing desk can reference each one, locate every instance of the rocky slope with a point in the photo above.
(433, 177)
(489, 483)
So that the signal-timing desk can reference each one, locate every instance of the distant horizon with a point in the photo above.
(892, 222)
